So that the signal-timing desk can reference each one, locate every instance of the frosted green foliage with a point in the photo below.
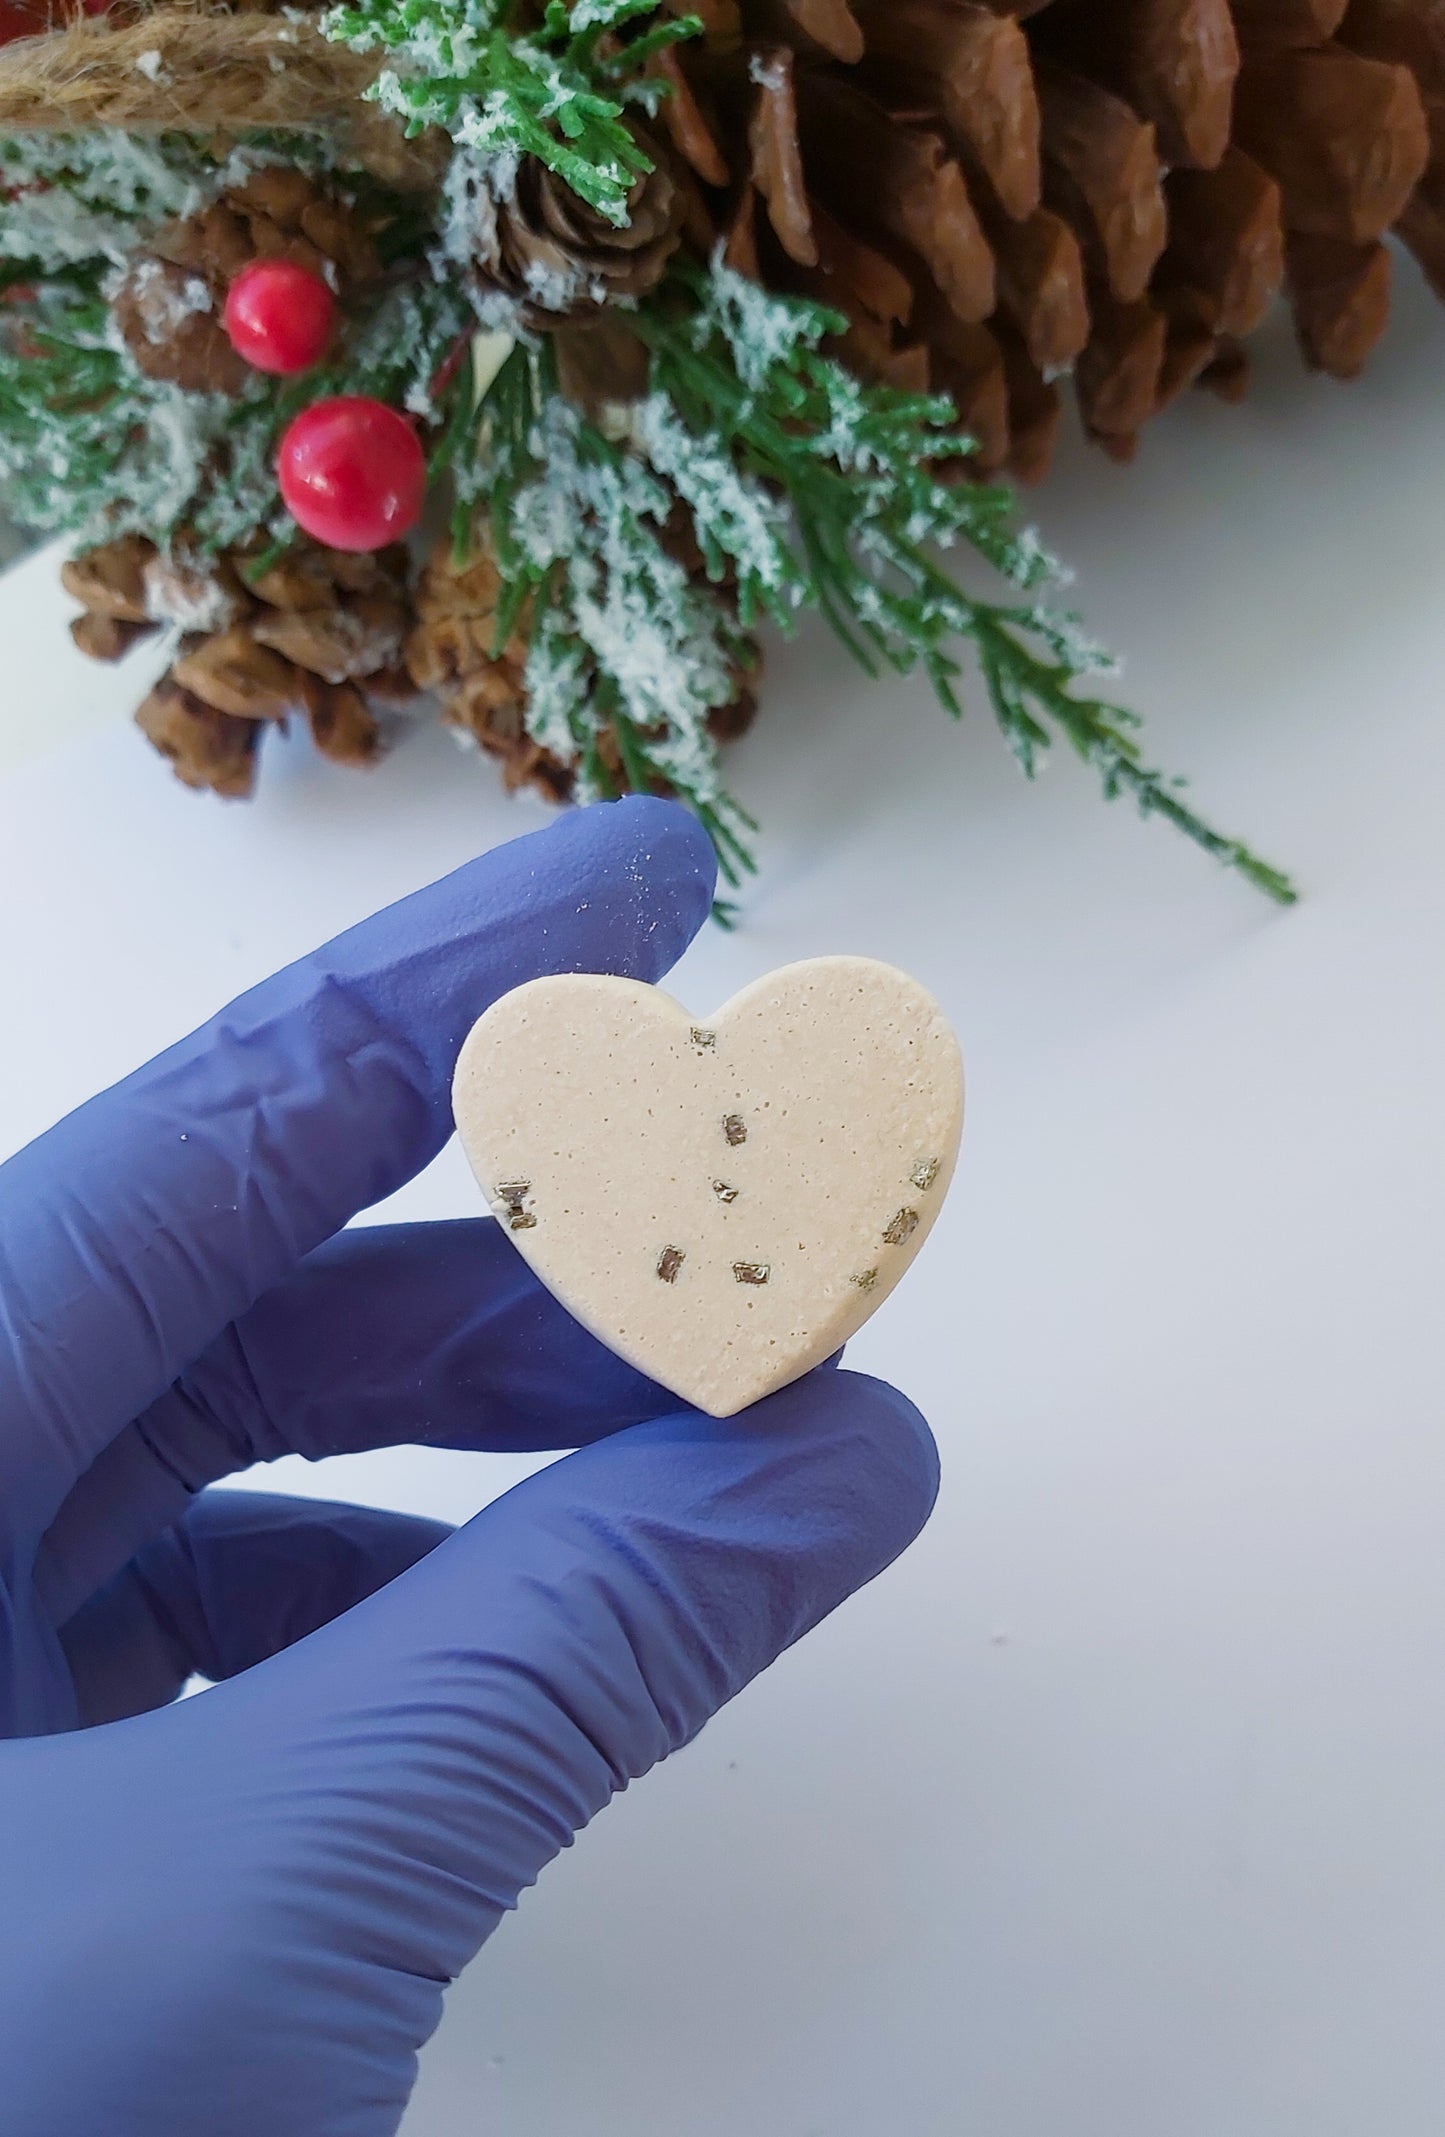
(67, 199)
(623, 642)
(767, 337)
(79, 197)
(90, 447)
(87, 445)
(738, 521)
(585, 527)
(547, 90)
(860, 467)
(558, 682)
(467, 238)
(397, 353)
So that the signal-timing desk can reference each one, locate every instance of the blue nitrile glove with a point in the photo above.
(237, 1915)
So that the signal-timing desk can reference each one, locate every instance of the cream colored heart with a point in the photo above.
(722, 1203)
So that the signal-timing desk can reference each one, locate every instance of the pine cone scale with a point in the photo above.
(206, 749)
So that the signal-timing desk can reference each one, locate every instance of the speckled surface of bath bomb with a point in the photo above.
(722, 1200)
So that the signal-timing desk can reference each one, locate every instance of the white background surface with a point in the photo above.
(1116, 1809)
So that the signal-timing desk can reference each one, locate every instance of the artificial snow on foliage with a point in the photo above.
(467, 215)
(734, 514)
(398, 350)
(764, 333)
(467, 236)
(89, 445)
(551, 92)
(163, 305)
(137, 460)
(659, 646)
(557, 686)
(76, 197)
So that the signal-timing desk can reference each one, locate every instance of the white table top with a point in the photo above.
(1117, 1809)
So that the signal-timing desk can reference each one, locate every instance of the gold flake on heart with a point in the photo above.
(722, 1203)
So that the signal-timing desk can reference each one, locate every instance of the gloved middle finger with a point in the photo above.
(389, 1335)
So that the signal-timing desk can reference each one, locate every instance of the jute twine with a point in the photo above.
(181, 71)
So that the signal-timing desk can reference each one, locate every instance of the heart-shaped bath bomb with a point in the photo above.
(722, 1202)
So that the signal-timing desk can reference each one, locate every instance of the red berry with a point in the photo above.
(280, 317)
(352, 473)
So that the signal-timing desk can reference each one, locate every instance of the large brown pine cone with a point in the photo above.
(995, 194)
(557, 259)
(169, 304)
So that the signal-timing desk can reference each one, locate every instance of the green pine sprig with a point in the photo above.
(88, 446)
(557, 90)
(860, 470)
(628, 655)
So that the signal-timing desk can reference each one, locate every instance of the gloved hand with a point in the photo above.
(237, 1915)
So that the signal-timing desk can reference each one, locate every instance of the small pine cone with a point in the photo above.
(170, 320)
(170, 302)
(560, 260)
(316, 634)
(483, 693)
(291, 216)
(208, 750)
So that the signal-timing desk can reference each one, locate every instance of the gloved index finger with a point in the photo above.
(155, 1214)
